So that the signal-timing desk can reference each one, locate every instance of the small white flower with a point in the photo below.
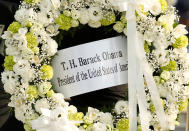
(165, 75)
(106, 118)
(122, 106)
(51, 47)
(155, 7)
(75, 14)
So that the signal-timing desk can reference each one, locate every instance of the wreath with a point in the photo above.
(31, 43)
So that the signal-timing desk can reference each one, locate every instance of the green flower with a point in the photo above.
(32, 42)
(47, 71)
(28, 127)
(64, 22)
(32, 1)
(163, 5)
(14, 27)
(146, 47)
(119, 26)
(50, 93)
(9, 63)
(139, 128)
(123, 18)
(183, 106)
(123, 125)
(108, 18)
(76, 116)
(181, 42)
(32, 92)
(172, 66)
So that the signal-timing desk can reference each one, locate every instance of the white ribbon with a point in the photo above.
(137, 67)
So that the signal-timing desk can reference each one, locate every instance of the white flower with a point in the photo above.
(24, 16)
(52, 29)
(56, 3)
(72, 109)
(99, 127)
(42, 103)
(51, 47)
(43, 18)
(165, 75)
(95, 13)
(75, 14)
(59, 100)
(44, 88)
(106, 118)
(122, 106)
(53, 120)
(45, 5)
(155, 7)
(179, 31)
(93, 113)
(167, 21)
(120, 5)
(94, 24)
(84, 16)
(10, 80)
(23, 68)
(186, 77)
(7, 35)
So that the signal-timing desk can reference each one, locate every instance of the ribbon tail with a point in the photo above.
(132, 73)
(153, 89)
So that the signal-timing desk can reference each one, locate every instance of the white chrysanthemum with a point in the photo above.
(93, 113)
(23, 68)
(45, 18)
(99, 127)
(72, 109)
(45, 5)
(95, 13)
(59, 100)
(51, 47)
(52, 29)
(122, 106)
(94, 24)
(106, 118)
(42, 103)
(155, 7)
(179, 31)
(7, 35)
(75, 14)
(44, 88)
(84, 16)
(10, 80)
(25, 16)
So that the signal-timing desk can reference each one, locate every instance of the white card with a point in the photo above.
(91, 66)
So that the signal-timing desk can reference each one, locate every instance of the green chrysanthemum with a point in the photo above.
(181, 42)
(50, 93)
(146, 47)
(32, 42)
(32, 92)
(119, 26)
(28, 127)
(9, 63)
(139, 128)
(64, 22)
(47, 71)
(32, 1)
(163, 5)
(76, 116)
(183, 106)
(14, 27)
(123, 125)
(108, 18)
(172, 66)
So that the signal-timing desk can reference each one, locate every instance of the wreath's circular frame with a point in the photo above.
(29, 46)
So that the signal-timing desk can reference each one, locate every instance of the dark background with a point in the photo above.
(7, 10)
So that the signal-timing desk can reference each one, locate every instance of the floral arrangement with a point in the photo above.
(30, 47)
